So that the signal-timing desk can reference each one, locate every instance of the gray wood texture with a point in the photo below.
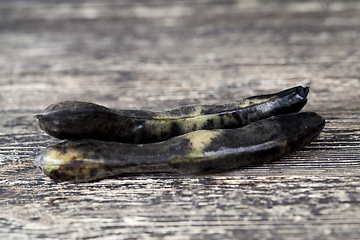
(161, 54)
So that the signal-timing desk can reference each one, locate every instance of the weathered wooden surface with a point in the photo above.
(162, 54)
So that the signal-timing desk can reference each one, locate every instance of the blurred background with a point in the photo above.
(160, 54)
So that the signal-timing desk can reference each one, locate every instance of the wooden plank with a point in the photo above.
(158, 55)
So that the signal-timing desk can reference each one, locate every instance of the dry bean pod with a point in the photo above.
(83, 120)
(198, 152)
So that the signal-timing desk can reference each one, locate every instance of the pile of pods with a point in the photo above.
(192, 139)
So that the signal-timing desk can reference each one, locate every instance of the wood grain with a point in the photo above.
(162, 54)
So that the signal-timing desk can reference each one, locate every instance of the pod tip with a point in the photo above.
(303, 91)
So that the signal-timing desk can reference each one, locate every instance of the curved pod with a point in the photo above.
(197, 152)
(80, 120)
